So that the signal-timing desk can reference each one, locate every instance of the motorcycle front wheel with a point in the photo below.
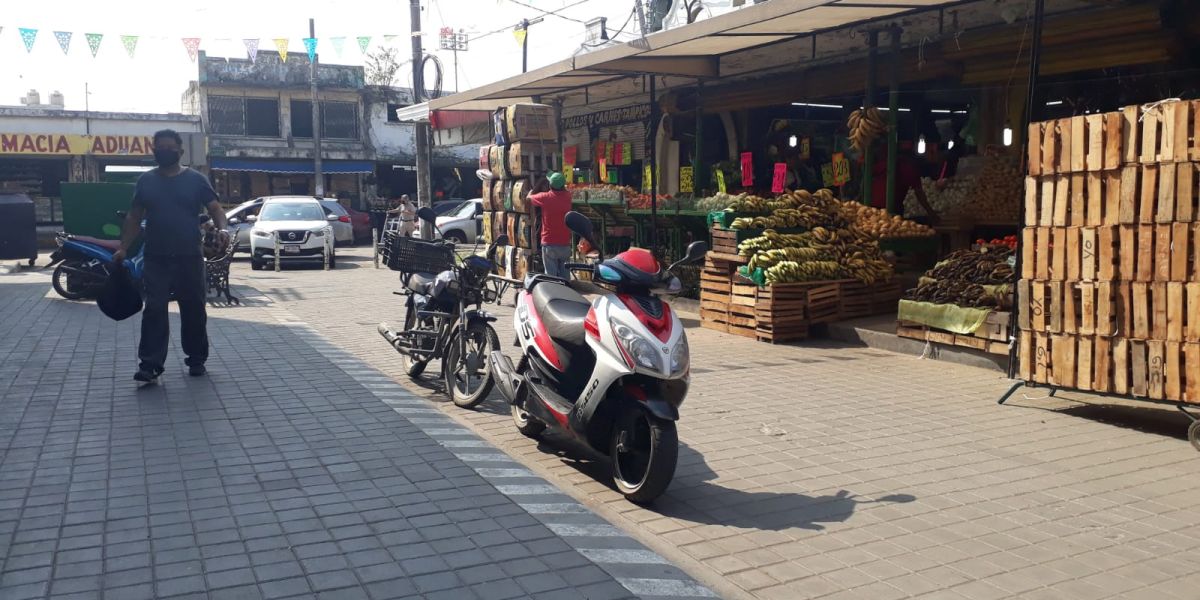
(644, 451)
(413, 367)
(468, 379)
(68, 284)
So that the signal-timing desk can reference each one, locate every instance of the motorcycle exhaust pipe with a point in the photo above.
(392, 338)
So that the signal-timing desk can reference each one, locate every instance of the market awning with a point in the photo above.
(298, 167)
(692, 51)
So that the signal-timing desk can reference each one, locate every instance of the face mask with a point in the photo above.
(166, 158)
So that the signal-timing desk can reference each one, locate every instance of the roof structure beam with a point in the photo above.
(686, 66)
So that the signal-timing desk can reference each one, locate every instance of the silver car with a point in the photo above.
(239, 227)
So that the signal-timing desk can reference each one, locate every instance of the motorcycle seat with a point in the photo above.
(562, 311)
(420, 283)
(110, 245)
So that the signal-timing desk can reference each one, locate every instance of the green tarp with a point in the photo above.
(950, 317)
(91, 208)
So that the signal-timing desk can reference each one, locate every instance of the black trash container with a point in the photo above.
(18, 228)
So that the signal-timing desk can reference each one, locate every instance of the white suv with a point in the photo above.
(301, 228)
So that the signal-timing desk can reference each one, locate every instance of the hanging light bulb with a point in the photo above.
(921, 145)
(1007, 135)
(792, 141)
(950, 145)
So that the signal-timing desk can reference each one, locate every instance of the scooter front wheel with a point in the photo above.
(644, 450)
(527, 424)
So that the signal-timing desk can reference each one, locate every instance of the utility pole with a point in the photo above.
(423, 178)
(318, 175)
(523, 27)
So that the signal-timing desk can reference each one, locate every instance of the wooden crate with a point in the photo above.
(1075, 199)
(861, 300)
(1077, 144)
(724, 241)
(1165, 252)
(991, 337)
(1086, 308)
(1166, 132)
(1158, 193)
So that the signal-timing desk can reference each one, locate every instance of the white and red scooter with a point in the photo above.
(611, 372)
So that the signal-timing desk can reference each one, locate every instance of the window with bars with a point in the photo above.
(339, 120)
(235, 115)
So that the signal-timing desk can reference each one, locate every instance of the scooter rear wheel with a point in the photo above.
(67, 285)
(643, 451)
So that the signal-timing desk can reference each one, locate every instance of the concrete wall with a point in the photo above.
(25, 120)
(392, 142)
(284, 146)
(269, 71)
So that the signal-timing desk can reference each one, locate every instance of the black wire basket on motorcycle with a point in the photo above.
(410, 255)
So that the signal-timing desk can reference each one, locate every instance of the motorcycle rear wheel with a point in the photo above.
(413, 367)
(481, 339)
(643, 450)
(62, 282)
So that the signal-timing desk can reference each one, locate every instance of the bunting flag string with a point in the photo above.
(93, 40)
(193, 47)
(64, 40)
(281, 44)
(338, 44)
(130, 43)
(310, 46)
(28, 35)
(363, 42)
(251, 48)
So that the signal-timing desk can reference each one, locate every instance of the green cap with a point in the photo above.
(557, 181)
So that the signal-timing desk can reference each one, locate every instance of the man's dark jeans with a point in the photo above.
(183, 275)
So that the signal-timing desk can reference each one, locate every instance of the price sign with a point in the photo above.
(627, 153)
(779, 178)
(569, 173)
(841, 169)
(805, 148)
(602, 150)
(827, 175)
(603, 169)
(720, 180)
(646, 179)
(570, 153)
(612, 176)
(747, 169)
(686, 180)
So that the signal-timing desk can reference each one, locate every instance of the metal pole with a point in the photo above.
(653, 132)
(864, 194)
(1035, 55)
(525, 46)
(318, 174)
(699, 179)
(456, 68)
(894, 122)
(422, 129)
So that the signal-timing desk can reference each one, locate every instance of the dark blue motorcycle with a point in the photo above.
(86, 263)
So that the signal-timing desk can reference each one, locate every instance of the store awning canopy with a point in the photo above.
(294, 167)
(693, 51)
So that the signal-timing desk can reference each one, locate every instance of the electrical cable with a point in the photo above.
(552, 13)
(613, 37)
(437, 86)
(509, 27)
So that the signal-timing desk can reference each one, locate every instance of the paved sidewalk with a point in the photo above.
(827, 471)
(292, 471)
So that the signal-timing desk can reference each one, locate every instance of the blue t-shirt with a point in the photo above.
(173, 206)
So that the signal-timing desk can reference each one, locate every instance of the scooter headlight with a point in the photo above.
(679, 356)
(637, 348)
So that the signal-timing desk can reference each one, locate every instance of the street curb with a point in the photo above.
(643, 572)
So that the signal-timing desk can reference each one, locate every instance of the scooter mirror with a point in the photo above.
(579, 224)
(426, 214)
(695, 252)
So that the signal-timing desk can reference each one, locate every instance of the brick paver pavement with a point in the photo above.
(844, 472)
(292, 471)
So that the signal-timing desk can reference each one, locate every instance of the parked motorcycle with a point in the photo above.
(84, 264)
(439, 321)
(611, 372)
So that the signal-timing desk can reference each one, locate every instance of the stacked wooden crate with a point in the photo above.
(1109, 297)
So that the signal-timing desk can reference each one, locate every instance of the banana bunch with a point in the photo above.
(790, 271)
(745, 203)
(768, 258)
(773, 239)
(864, 126)
(865, 268)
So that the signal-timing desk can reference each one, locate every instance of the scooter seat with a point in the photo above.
(562, 311)
(420, 283)
(110, 245)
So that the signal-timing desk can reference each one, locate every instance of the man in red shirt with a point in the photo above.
(908, 176)
(556, 238)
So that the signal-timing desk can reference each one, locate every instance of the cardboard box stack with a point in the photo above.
(1109, 296)
(525, 150)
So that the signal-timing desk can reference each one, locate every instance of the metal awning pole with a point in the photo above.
(699, 173)
(653, 132)
(864, 194)
(894, 121)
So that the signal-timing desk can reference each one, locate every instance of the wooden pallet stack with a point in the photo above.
(1109, 297)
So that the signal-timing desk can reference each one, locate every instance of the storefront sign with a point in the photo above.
(841, 169)
(720, 180)
(68, 145)
(779, 178)
(616, 116)
(747, 169)
(686, 180)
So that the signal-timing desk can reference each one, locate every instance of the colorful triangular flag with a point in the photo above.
(93, 40)
(193, 47)
(520, 34)
(64, 40)
(281, 45)
(130, 43)
(251, 48)
(364, 41)
(310, 46)
(338, 44)
(28, 35)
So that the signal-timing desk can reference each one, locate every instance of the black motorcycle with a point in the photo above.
(443, 315)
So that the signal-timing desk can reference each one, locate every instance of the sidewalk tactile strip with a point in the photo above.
(578, 526)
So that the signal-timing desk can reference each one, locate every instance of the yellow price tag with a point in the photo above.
(686, 180)
(720, 180)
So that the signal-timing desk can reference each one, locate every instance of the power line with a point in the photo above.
(551, 13)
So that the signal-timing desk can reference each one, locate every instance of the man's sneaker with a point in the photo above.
(197, 370)
(146, 375)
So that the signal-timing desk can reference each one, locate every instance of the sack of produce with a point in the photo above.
(499, 224)
(498, 162)
(485, 157)
(500, 125)
(530, 123)
(487, 194)
(522, 263)
(532, 158)
(487, 226)
(499, 258)
(520, 195)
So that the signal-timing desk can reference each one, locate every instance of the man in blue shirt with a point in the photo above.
(170, 199)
